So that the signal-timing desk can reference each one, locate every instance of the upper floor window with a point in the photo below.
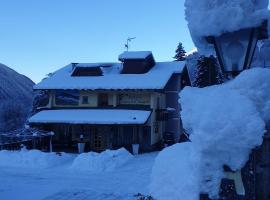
(42, 99)
(134, 99)
(67, 97)
(85, 100)
(103, 99)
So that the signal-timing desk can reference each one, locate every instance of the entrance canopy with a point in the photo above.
(91, 116)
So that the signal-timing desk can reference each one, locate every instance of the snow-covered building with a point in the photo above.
(112, 105)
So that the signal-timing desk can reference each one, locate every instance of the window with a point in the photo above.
(103, 99)
(85, 100)
(87, 71)
(67, 97)
(134, 99)
(42, 99)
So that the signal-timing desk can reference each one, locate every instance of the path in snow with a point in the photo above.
(63, 183)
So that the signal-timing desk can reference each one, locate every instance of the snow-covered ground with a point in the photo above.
(63, 181)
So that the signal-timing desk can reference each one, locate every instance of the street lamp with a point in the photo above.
(235, 50)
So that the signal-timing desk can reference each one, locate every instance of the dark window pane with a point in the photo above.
(85, 100)
(67, 97)
(87, 71)
(103, 99)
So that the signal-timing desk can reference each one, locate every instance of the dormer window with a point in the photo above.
(87, 71)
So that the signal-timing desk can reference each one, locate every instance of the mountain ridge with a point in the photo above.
(16, 97)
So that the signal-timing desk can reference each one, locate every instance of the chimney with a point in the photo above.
(136, 62)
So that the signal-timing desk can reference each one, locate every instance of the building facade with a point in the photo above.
(112, 105)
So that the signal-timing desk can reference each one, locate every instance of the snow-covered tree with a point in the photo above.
(208, 72)
(180, 53)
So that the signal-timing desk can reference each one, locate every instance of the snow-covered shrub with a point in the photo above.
(225, 123)
(108, 160)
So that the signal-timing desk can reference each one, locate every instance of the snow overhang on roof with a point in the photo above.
(112, 79)
(91, 116)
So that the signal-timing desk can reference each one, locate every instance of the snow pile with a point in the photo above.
(224, 122)
(108, 160)
(255, 85)
(214, 17)
(31, 159)
(175, 173)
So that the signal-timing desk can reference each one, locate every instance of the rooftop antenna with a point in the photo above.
(128, 41)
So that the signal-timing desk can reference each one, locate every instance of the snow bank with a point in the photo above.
(31, 159)
(174, 173)
(224, 122)
(214, 17)
(255, 85)
(108, 160)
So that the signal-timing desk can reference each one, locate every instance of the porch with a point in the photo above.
(98, 129)
(99, 137)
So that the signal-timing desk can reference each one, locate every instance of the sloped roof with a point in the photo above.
(112, 78)
(91, 116)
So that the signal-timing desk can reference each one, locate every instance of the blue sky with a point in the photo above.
(38, 37)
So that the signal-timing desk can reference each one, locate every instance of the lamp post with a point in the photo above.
(235, 50)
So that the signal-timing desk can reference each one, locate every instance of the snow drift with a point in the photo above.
(108, 160)
(225, 123)
(34, 159)
(214, 17)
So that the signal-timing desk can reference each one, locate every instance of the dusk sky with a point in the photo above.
(39, 37)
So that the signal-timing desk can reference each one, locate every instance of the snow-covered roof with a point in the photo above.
(112, 78)
(94, 64)
(134, 55)
(91, 116)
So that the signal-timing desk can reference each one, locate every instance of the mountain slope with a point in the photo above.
(16, 98)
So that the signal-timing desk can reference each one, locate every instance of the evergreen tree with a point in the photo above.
(208, 72)
(180, 53)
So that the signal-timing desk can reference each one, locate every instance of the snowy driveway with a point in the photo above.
(64, 183)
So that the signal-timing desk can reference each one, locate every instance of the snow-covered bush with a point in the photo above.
(108, 160)
(225, 123)
(214, 17)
